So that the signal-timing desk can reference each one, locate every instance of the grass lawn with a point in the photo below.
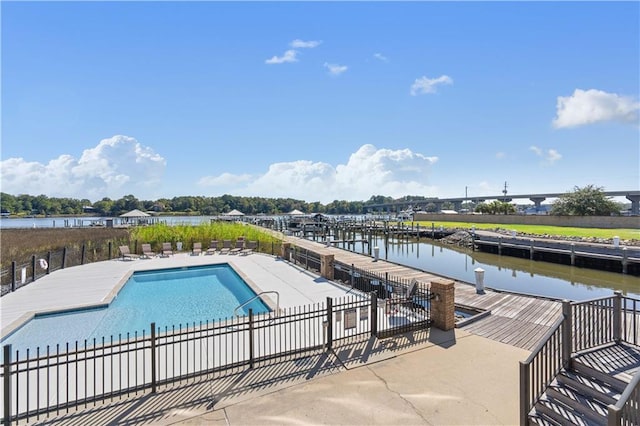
(561, 231)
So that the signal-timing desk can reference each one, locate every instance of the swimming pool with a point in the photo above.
(169, 297)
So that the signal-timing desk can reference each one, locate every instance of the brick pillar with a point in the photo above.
(286, 251)
(326, 266)
(443, 304)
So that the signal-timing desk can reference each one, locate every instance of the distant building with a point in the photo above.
(542, 210)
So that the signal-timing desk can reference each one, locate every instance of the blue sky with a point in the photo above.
(318, 101)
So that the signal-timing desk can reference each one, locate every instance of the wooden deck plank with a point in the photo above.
(518, 320)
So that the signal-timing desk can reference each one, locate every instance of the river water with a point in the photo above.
(503, 272)
(500, 272)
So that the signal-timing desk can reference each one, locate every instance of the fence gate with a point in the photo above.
(404, 309)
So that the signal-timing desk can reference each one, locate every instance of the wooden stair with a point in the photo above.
(577, 396)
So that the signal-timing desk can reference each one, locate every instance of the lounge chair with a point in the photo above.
(213, 247)
(126, 253)
(226, 247)
(147, 253)
(197, 249)
(411, 289)
(238, 248)
(249, 248)
(167, 249)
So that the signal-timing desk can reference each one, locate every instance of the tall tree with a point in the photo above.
(587, 201)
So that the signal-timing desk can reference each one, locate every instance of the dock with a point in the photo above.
(616, 258)
(514, 319)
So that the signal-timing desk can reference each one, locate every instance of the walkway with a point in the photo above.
(515, 319)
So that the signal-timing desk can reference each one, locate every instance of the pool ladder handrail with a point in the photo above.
(258, 296)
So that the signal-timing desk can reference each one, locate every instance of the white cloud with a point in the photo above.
(225, 180)
(553, 156)
(368, 171)
(593, 106)
(501, 155)
(335, 69)
(549, 158)
(300, 44)
(381, 57)
(424, 85)
(289, 56)
(115, 167)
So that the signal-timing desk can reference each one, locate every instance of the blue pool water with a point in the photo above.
(168, 297)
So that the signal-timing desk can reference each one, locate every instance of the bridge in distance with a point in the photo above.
(537, 199)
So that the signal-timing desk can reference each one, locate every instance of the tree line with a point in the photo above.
(587, 201)
(24, 204)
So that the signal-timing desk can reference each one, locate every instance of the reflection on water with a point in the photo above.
(504, 272)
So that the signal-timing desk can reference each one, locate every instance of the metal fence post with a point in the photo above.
(374, 314)
(386, 282)
(64, 257)
(525, 387)
(82, 255)
(33, 268)
(329, 323)
(110, 249)
(251, 357)
(617, 316)
(13, 275)
(153, 357)
(48, 262)
(352, 273)
(614, 416)
(567, 331)
(7, 384)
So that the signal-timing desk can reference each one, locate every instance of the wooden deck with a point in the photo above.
(517, 320)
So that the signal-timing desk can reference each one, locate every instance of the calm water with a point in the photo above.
(170, 297)
(506, 273)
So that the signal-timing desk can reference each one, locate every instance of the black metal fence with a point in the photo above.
(38, 383)
(20, 274)
(304, 257)
(406, 302)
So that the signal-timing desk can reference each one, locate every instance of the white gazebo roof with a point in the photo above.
(135, 213)
(295, 212)
(234, 212)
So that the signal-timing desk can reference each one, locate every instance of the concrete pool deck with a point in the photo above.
(96, 283)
